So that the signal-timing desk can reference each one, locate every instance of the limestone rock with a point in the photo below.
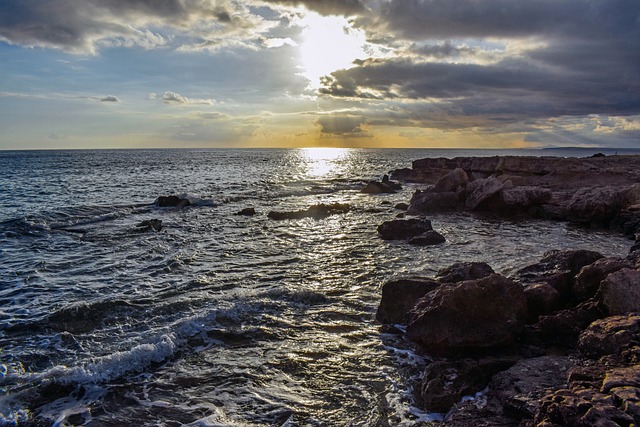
(429, 201)
(375, 187)
(611, 335)
(620, 291)
(480, 190)
(542, 298)
(588, 279)
(596, 205)
(452, 181)
(525, 196)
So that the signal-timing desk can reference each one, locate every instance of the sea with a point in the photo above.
(221, 319)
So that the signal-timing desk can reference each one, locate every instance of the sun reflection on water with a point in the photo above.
(322, 162)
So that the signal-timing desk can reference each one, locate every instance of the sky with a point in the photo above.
(336, 73)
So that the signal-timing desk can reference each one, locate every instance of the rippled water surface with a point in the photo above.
(219, 319)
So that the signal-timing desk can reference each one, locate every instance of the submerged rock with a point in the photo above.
(172, 201)
(375, 187)
(316, 211)
(246, 212)
(148, 225)
(400, 229)
(430, 237)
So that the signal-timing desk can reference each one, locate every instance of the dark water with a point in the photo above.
(219, 319)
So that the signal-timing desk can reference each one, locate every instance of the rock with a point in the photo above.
(620, 291)
(400, 296)
(172, 201)
(148, 225)
(429, 201)
(402, 206)
(563, 327)
(375, 187)
(401, 229)
(481, 190)
(445, 382)
(316, 211)
(542, 298)
(462, 271)
(597, 206)
(525, 196)
(452, 181)
(580, 409)
(519, 389)
(611, 335)
(246, 212)
(558, 269)
(468, 316)
(430, 237)
(588, 279)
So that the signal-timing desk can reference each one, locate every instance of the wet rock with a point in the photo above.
(452, 181)
(445, 382)
(428, 238)
(430, 201)
(542, 298)
(519, 389)
(620, 291)
(611, 335)
(481, 190)
(171, 201)
(469, 316)
(462, 271)
(376, 187)
(246, 212)
(316, 212)
(400, 296)
(588, 279)
(401, 229)
(402, 206)
(597, 206)
(148, 225)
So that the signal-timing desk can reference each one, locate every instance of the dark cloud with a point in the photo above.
(109, 98)
(78, 26)
(341, 125)
(436, 19)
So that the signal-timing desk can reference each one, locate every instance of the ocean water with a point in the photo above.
(219, 319)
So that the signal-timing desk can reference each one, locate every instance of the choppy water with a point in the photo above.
(219, 319)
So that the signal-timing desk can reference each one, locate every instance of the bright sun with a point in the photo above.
(329, 43)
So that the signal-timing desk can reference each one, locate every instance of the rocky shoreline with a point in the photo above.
(557, 344)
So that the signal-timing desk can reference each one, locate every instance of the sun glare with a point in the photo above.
(323, 161)
(329, 43)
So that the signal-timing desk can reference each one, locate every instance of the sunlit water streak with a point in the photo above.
(219, 319)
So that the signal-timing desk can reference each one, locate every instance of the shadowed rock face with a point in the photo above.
(469, 316)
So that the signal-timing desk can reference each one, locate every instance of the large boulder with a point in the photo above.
(469, 316)
(401, 229)
(462, 271)
(620, 291)
(481, 190)
(452, 181)
(597, 205)
(542, 298)
(588, 279)
(430, 201)
(400, 296)
(611, 335)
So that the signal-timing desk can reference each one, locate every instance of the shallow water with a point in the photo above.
(219, 319)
